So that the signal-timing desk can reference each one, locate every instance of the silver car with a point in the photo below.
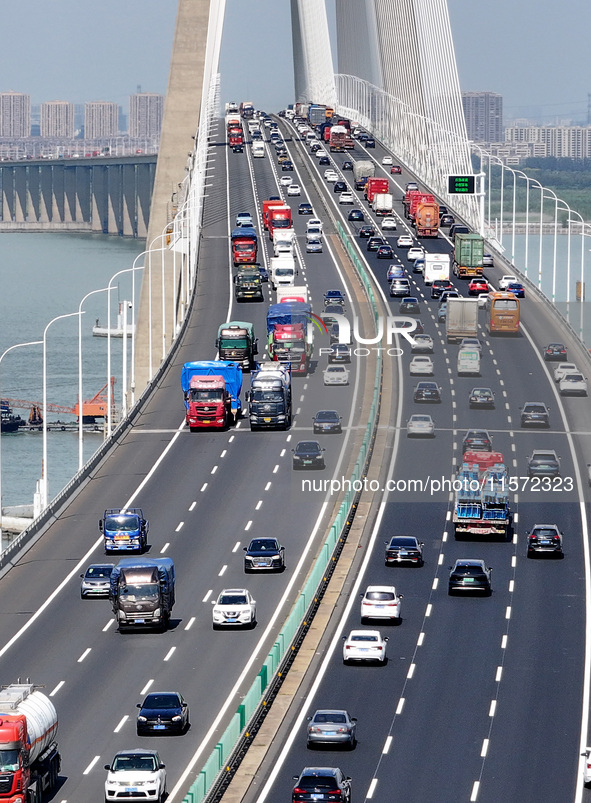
(332, 726)
(96, 580)
(420, 425)
(422, 344)
(421, 366)
(336, 375)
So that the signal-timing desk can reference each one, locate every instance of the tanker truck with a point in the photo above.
(30, 758)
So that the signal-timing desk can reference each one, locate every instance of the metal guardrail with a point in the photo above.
(227, 754)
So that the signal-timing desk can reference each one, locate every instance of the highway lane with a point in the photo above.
(507, 669)
(204, 502)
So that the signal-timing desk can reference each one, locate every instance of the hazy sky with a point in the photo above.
(533, 52)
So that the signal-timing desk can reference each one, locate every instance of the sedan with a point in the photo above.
(516, 288)
(332, 177)
(96, 580)
(418, 266)
(385, 252)
(421, 366)
(286, 167)
(471, 576)
(308, 454)
(446, 220)
(366, 232)
(482, 397)
(314, 246)
(285, 181)
(294, 189)
(564, 368)
(244, 219)
(330, 726)
(347, 166)
(427, 392)
(544, 539)
(395, 272)
(364, 645)
(387, 160)
(380, 602)
(423, 344)
(370, 142)
(442, 313)
(506, 280)
(234, 607)
(409, 306)
(346, 198)
(484, 300)
(573, 384)
(477, 440)
(336, 375)
(440, 286)
(420, 426)
(320, 153)
(374, 243)
(356, 214)
(396, 169)
(327, 421)
(471, 343)
(330, 171)
(305, 209)
(535, 414)
(389, 224)
(324, 160)
(161, 712)
(555, 352)
(404, 549)
(339, 352)
(339, 186)
(415, 252)
(404, 241)
(264, 554)
(321, 783)
(477, 286)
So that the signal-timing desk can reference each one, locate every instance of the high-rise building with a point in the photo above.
(101, 119)
(145, 114)
(484, 116)
(15, 114)
(57, 119)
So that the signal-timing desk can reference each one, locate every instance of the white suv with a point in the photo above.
(234, 607)
(135, 773)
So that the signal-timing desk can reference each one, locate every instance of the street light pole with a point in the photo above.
(80, 403)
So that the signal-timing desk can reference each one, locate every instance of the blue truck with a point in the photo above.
(482, 500)
(124, 529)
(211, 391)
(142, 592)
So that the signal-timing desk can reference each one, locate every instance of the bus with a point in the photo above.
(503, 314)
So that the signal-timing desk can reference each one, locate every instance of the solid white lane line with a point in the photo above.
(222, 570)
(57, 688)
(493, 708)
(122, 722)
(109, 624)
(84, 654)
(192, 507)
(169, 654)
(208, 595)
(190, 623)
(236, 546)
(91, 765)
(147, 686)
(387, 744)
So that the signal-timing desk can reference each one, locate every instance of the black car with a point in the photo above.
(544, 539)
(334, 297)
(286, 166)
(321, 783)
(238, 148)
(470, 575)
(385, 252)
(374, 243)
(339, 186)
(327, 421)
(543, 463)
(305, 209)
(339, 352)
(404, 549)
(440, 286)
(324, 160)
(163, 712)
(264, 554)
(477, 440)
(308, 454)
(356, 214)
(347, 166)
(315, 146)
(482, 397)
(409, 306)
(556, 351)
(264, 273)
(367, 231)
(443, 210)
(446, 220)
(535, 414)
(329, 310)
(458, 228)
(370, 142)
(427, 392)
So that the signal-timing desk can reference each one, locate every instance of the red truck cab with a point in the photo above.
(289, 345)
(209, 403)
(267, 206)
(279, 218)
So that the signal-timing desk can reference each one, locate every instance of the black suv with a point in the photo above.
(321, 783)
(339, 186)
(440, 286)
(308, 454)
(535, 414)
(477, 440)
(427, 392)
(327, 421)
(470, 575)
(264, 554)
(404, 549)
(367, 231)
(375, 242)
(544, 539)
(556, 351)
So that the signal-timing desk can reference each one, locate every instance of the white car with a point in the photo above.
(332, 177)
(346, 198)
(423, 344)
(421, 366)
(135, 770)
(471, 343)
(336, 375)
(415, 252)
(234, 607)
(484, 300)
(285, 181)
(380, 602)
(387, 160)
(420, 425)
(313, 233)
(294, 189)
(314, 222)
(587, 766)
(329, 171)
(404, 241)
(573, 384)
(244, 219)
(364, 645)
(505, 280)
(564, 368)
(389, 223)
(320, 152)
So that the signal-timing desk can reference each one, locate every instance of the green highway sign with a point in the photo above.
(465, 185)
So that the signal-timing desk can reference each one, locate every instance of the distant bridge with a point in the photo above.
(104, 194)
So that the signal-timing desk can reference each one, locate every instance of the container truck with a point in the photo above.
(267, 206)
(211, 390)
(124, 530)
(468, 254)
(284, 241)
(436, 267)
(244, 245)
(279, 218)
(289, 294)
(295, 341)
(236, 342)
(283, 271)
(374, 187)
(461, 319)
(248, 284)
(30, 759)
(338, 138)
(362, 171)
(316, 114)
(426, 219)
(142, 592)
(269, 400)
(481, 505)
(383, 203)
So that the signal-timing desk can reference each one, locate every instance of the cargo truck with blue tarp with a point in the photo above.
(211, 390)
(481, 505)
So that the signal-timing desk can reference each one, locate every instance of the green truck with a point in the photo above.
(248, 285)
(236, 342)
(468, 254)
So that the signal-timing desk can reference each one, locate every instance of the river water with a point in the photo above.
(42, 276)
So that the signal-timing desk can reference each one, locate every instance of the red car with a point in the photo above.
(395, 169)
(477, 286)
